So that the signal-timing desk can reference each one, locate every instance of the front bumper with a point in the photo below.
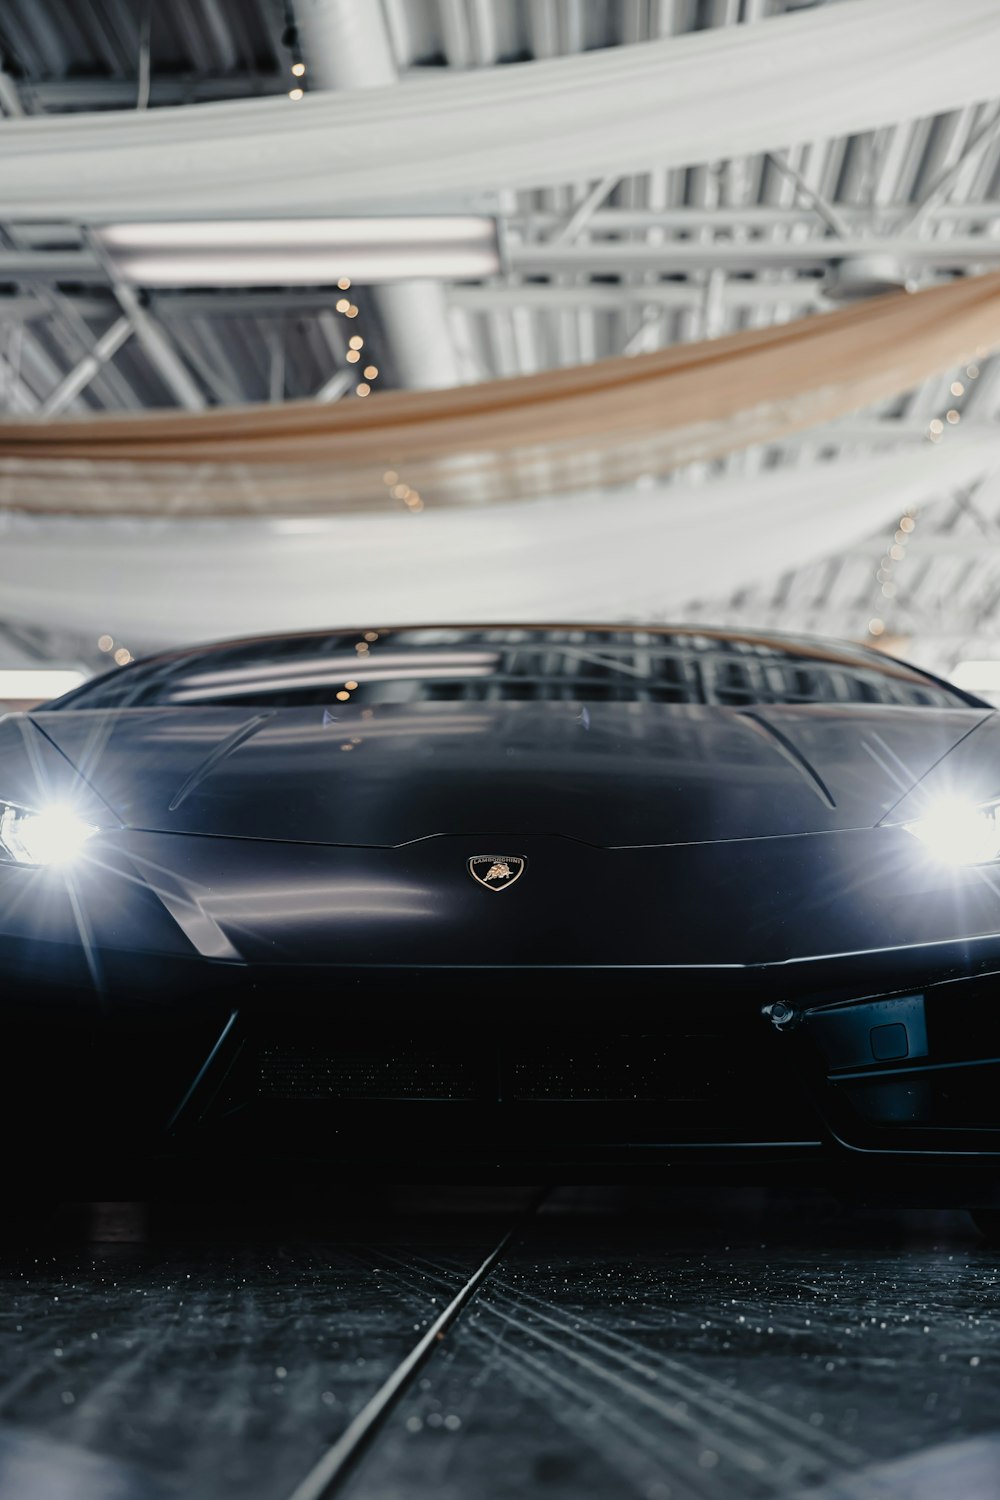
(184, 998)
(466, 1067)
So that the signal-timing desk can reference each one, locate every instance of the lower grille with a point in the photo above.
(631, 1069)
(446, 1096)
(289, 1072)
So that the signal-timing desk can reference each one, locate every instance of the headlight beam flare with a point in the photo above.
(54, 835)
(960, 833)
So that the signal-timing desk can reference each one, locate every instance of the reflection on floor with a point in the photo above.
(625, 1345)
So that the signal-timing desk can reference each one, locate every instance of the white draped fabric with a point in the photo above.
(729, 91)
(612, 557)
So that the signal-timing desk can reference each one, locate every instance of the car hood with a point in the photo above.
(609, 774)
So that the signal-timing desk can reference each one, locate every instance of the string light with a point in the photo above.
(123, 656)
(298, 69)
(105, 642)
(896, 553)
(347, 309)
(404, 492)
(296, 93)
(362, 648)
(355, 343)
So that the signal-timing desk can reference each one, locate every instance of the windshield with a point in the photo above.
(491, 663)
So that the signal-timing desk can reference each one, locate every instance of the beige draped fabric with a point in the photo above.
(564, 430)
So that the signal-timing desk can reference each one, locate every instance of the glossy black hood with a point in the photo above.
(612, 775)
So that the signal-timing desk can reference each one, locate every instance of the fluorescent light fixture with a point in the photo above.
(981, 676)
(302, 252)
(38, 684)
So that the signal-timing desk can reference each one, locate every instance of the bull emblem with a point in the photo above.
(496, 872)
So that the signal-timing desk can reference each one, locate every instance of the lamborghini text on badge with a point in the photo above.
(497, 872)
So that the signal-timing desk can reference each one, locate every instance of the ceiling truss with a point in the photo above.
(590, 269)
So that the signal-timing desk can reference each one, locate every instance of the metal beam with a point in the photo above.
(20, 308)
(201, 349)
(28, 369)
(489, 298)
(808, 195)
(605, 298)
(49, 265)
(10, 99)
(583, 213)
(14, 394)
(601, 258)
(64, 95)
(72, 384)
(685, 218)
(332, 390)
(145, 34)
(161, 353)
(940, 184)
(276, 365)
(71, 330)
(25, 307)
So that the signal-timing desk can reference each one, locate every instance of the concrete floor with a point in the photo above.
(621, 1346)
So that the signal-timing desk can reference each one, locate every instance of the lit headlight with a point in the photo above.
(50, 836)
(960, 833)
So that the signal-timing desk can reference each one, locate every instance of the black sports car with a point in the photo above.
(577, 895)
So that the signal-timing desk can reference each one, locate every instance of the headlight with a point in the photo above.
(49, 836)
(960, 833)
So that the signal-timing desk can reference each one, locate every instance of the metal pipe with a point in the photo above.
(346, 46)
